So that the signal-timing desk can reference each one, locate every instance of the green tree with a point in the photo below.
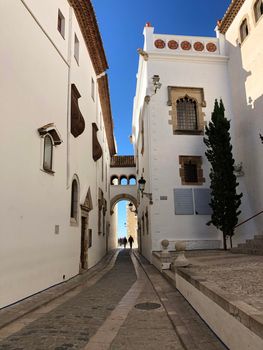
(224, 198)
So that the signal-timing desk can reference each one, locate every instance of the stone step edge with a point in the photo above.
(244, 313)
(5, 320)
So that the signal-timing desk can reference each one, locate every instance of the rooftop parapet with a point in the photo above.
(183, 45)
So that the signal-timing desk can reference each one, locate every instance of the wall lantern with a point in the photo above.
(156, 82)
(142, 183)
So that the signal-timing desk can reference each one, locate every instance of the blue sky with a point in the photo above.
(121, 24)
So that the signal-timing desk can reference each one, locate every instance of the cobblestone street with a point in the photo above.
(101, 315)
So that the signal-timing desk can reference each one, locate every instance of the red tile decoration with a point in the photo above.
(185, 45)
(211, 47)
(173, 45)
(198, 46)
(159, 43)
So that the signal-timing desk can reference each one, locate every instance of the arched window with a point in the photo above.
(186, 114)
(74, 200)
(124, 180)
(258, 9)
(48, 153)
(243, 30)
(132, 180)
(114, 180)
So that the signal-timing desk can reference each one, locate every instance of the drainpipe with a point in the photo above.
(69, 94)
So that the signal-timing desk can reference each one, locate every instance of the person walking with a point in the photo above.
(131, 240)
(125, 242)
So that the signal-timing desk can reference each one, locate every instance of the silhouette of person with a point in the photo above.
(125, 242)
(131, 240)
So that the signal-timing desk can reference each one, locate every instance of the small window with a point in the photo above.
(92, 89)
(48, 153)
(243, 30)
(258, 9)
(124, 180)
(186, 114)
(74, 200)
(191, 171)
(132, 180)
(61, 23)
(76, 48)
(90, 238)
(114, 180)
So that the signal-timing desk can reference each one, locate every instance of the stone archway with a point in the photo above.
(131, 216)
(120, 197)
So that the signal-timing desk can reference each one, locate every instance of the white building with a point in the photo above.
(178, 80)
(242, 26)
(56, 145)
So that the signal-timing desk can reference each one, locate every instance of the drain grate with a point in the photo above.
(147, 306)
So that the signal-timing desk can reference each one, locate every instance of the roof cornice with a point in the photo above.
(89, 27)
(230, 15)
(103, 87)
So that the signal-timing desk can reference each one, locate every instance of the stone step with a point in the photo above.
(254, 244)
(248, 251)
(241, 245)
(258, 237)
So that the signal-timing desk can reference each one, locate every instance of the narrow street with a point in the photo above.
(120, 307)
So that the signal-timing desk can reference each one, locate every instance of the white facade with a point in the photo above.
(40, 244)
(246, 76)
(159, 160)
(226, 67)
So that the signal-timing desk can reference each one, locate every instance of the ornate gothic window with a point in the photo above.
(48, 153)
(243, 30)
(186, 114)
(258, 9)
(187, 110)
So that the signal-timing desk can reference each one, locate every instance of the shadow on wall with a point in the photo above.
(247, 124)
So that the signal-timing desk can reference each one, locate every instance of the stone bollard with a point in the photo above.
(165, 255)
(180, 260)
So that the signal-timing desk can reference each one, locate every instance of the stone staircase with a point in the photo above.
(252, 246)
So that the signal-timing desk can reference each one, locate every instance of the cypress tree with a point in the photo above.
(224, 198)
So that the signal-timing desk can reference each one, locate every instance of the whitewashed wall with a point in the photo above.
(162, 149)
(34, 91)
(246, 76)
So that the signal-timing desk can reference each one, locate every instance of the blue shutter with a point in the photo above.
(202, 197)
(183, 201)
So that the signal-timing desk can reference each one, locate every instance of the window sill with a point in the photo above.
(73, 222)
(77, 60)
(188, 132)
(192, 183)
(50, 172)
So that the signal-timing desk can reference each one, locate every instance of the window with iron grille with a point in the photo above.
(186, 114)
(190, 172)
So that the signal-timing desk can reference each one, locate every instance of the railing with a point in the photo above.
(252, 217)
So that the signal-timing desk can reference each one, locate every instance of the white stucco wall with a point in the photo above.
(246, 75)
(34, 89)
(160, 160)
